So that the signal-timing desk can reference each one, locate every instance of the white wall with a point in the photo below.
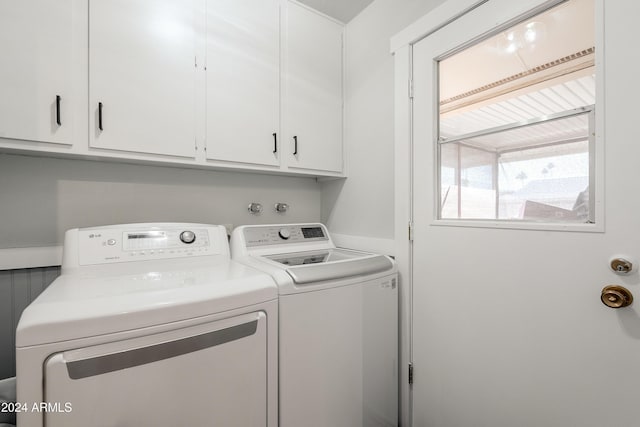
(362, 205)
(42, 197)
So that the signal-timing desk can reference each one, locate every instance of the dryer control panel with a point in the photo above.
(103, 245)
(284, 234)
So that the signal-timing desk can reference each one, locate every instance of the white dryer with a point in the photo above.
(338, 323)
(149, 325)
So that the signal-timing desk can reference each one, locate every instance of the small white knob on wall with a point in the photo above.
(281, 207)
(254, 208)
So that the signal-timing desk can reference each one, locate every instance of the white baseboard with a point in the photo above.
(14, 258)
(369, 244)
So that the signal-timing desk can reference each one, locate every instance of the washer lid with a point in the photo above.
(330, 264)
(85, 305)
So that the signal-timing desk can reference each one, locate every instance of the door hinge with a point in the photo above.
(411, 89)
(410, 373)
(411, 231)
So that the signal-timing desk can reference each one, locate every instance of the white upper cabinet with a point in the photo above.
(243, 81)
(230, 84)
(35, 70)
(313, 90)
(142, 76)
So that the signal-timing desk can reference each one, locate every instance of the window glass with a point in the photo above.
(545, 183)
(449, 180)
(516, 134)
(478, 192)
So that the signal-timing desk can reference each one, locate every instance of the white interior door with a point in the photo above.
(508, 326)
(142, 74)
(243, 81)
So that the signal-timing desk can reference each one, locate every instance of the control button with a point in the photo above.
(141, 252)
(188, 237)
(284, 233)
(111, 242)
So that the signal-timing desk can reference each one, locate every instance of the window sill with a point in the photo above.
(524, 225)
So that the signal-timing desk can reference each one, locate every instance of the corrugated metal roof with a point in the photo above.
(555, 99)
(551, 132)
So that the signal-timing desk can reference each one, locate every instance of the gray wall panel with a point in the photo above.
(17, 289)
(44, 197)
(21, 293)
(6, 325)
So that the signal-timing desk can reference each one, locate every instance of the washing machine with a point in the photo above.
(149, 325)
(338, 324)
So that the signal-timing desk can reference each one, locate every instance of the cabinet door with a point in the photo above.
(313, 91)
(142, 75)
(35, 72)
(243, 75)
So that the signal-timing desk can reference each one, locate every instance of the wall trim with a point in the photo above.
(402, 217)
(14, 258)
(431, 22)
(362, 243)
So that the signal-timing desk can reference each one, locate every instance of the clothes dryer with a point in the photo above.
(149, 325)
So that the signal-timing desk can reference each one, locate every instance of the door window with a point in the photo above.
(516, 117)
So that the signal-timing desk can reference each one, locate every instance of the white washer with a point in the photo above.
(338, 326)
(150, 325)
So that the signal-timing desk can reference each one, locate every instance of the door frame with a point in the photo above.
(402, 50)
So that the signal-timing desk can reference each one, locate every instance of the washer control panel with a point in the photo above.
(106, 245)
(284, 234)
(163, 239)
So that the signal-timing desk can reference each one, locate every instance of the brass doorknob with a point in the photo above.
(615, 296)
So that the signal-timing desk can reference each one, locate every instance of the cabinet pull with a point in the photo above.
(100, 115)
(275, 142)
(58, 118)
(295, 145)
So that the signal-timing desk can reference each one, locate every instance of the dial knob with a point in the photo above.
(188, 237)
(284, 233)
